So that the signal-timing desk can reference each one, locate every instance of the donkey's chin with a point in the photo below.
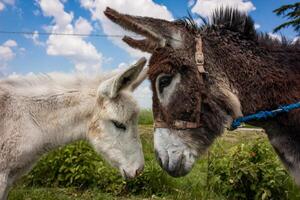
(176, 150)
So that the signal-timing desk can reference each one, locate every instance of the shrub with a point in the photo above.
(248, 171)
(153, 181)
(76, 165)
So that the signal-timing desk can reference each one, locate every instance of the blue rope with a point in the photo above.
(263, 115)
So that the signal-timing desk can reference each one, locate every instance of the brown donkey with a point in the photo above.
(204, 77)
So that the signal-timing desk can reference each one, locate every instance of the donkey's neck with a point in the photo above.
(63, 118)
(259, 78)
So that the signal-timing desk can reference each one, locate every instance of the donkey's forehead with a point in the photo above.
(123, 107)
(168, 60)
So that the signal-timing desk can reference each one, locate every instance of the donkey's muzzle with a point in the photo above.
(130, 175)
(172, 154)
(175, 168)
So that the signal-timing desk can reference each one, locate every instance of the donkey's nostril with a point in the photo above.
(177, 167)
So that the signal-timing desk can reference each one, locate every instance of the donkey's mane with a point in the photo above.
(51, 83)
(236, 21)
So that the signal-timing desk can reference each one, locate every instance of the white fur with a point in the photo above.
(170, 148)
(40, 113)
(168, 91)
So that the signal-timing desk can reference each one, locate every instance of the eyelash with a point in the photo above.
(119, 125)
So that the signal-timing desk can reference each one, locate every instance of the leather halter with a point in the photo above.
(179, 124)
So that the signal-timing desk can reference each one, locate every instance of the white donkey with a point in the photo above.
(40, 113)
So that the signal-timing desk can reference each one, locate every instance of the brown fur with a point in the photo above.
(263, 73)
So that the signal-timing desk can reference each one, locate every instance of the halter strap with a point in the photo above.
(180, 124)
(199, 57)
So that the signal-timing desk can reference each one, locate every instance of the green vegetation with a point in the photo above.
(240, 165)
(292, 13)
(146, 117)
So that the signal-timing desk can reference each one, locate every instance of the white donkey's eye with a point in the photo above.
(119, 125)
(164, 81)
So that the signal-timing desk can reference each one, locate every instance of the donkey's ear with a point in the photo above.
(142, 76)
(158, 32)
(111, 87)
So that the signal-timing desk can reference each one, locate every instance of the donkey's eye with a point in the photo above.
(163, 82)
(119, 125)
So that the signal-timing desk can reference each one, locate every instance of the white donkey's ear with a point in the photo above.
(142, 76)
(111, 87)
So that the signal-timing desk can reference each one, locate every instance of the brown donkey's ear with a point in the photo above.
(158, 32)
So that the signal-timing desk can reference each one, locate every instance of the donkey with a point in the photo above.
(203, 77)
(40, 113)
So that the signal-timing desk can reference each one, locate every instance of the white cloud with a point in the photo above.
(6, 2)
(275, 36)
(10, 2)
(82, 26)
(7, 52)
(22, 51)
(191, 3)
(10, 43)
(143, 95)
(36, 13)
(140, 7)
(35, 38)
(80, 52)
(123, 66)
(15, 75)
(206, 8)
(256, 26)
(295, 40)
(55, 9)
(2, 6)
(108, 59)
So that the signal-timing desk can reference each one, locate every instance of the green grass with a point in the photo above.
(65, 194)
(146, 117)
(154, 183)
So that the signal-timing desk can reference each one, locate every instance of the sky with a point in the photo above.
(23, 54)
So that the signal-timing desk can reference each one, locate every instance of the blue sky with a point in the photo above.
(22, 54)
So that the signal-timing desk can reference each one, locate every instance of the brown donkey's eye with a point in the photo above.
(119, 125)
(164, 82)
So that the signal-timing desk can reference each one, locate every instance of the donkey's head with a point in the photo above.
(113, 129)
(190, 108)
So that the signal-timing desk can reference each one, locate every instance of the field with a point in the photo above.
(240, 165)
